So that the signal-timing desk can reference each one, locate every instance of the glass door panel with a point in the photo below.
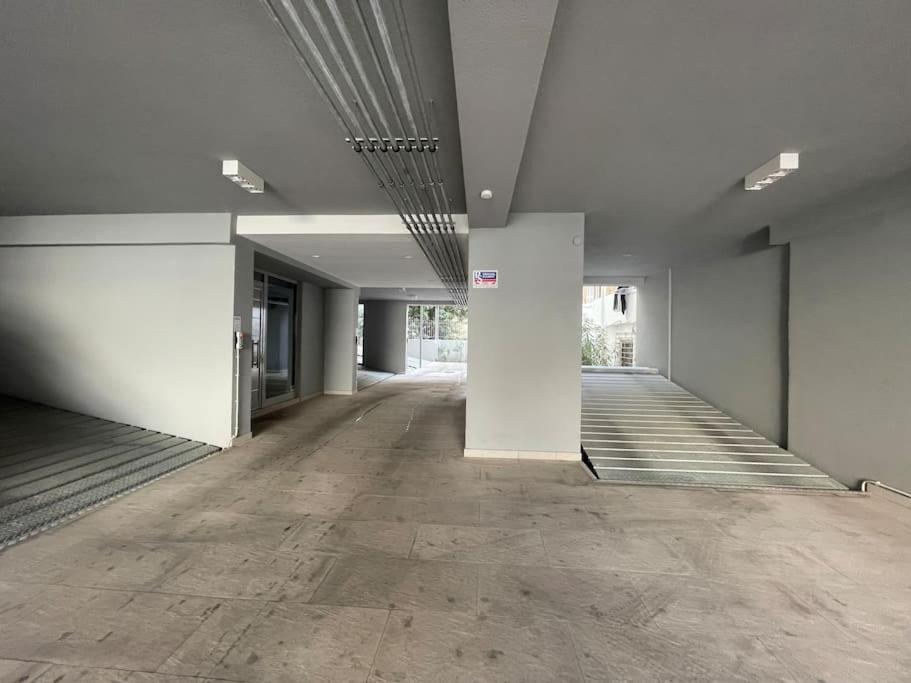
(256, 339)
(281, 304)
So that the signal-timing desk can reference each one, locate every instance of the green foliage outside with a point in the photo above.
(453, 322)
(595, 348)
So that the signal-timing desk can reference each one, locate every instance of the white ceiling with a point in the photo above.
(361, 260)
(650, 113)
(130, 107)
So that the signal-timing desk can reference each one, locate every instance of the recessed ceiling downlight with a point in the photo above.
(486, 194)
(772, 171)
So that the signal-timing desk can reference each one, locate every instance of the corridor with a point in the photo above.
(349, 540)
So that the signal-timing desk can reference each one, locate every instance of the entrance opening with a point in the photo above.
(437, 337)
(273, 339)
(360, 335)
(609, 326)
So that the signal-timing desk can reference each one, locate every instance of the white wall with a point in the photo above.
(729, 336)
(524, 376)
(651, 322)
(850, 318)
(311, 353)
(243, 307)
(136, 334)
(133, 228)
(384, 335)
(340, 350)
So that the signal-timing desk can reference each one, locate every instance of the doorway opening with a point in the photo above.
(274, 341)
(437, 337)
(609, 326)
(360, 335)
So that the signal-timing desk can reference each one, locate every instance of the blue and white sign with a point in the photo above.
(484, 279)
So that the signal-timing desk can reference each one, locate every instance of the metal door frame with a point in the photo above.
(265, 401)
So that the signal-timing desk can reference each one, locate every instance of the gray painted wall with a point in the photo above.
(524, 375)
(340, 350)
(651, 322)
(310, 356)
(729, 336)
(384, 335)
(850, 320)
(136, 334)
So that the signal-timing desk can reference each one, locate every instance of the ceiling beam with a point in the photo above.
(498, 51)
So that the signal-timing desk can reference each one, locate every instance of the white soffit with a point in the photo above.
(332, 224)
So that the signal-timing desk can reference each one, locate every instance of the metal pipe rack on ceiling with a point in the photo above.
(402, 155)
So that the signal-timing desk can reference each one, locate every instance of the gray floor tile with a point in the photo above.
(521, 514)
(93, 562)
(756, 605)
(479, 544)
(833, 657)
(400, 584)
(59, 673)
(459, 488)
(255, 531)
(353, 537)
(428, 646)
(283, 642)
(450, 468)
(22, 672)
(291, 504)
(239, 571)
(632, 653)
(614, 551)
(564, 593)
(89, 627)
(422, 510)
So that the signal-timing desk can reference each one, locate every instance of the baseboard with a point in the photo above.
(275, 406)
(348, 392)
(635, 370)
(240, 440)
(504, 454)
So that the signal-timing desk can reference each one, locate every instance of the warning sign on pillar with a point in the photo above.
(484, 279)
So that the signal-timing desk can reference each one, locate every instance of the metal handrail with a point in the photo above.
(866, 483)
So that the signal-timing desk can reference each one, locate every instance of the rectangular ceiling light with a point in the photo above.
(782, 165)
(236, 172)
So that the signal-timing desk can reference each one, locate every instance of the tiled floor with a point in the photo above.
(350, 541)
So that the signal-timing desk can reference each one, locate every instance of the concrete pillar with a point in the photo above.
(384, 335)
(340, 349)
(524, 368)
(243, 308)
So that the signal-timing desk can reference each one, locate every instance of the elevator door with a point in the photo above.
(274, 324)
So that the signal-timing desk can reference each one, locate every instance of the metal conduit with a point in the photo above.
(402, 159)
(388, 187)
